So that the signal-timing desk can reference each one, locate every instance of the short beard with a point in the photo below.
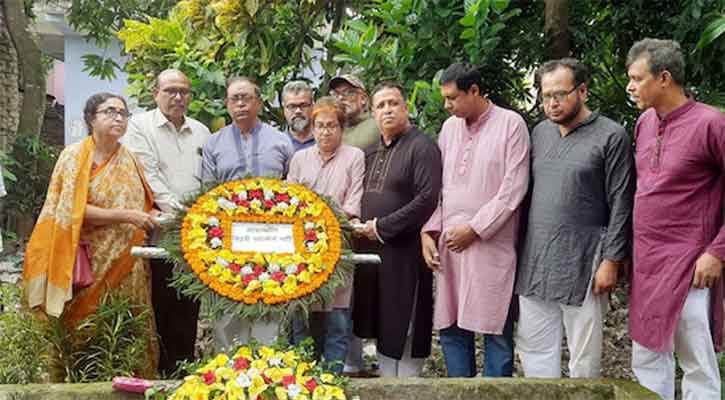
(299, 125)
(567, 118)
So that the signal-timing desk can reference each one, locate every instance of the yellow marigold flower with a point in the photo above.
(335, 392)
(257, 387)
(304, 276)
(259, 364)
(289, 359)
(275, 374)
(244, 352)
(281, 393)
(266, 352)
(210, 206)
(327, 378)
(220, 360)
(253, 285)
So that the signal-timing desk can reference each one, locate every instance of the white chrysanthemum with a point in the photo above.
(277, 362)
(309, 226)
(226, 204)
(291, 269)
(268, 194)
(224, 263)
(294, 201)
(212, 221)
(246, 270)
(294, 390)
(244, 381)
(243, 195)
(310, 246)
(215, 243)
(272, 268)
(263, 277)
(283, 206)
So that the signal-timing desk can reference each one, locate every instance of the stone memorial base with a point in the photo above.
(393, 389)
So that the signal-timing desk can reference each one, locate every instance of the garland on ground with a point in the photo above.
(256, 372)
(251, 284)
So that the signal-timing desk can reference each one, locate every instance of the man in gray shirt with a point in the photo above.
(297, 104)
(247, 146)
(578, 232)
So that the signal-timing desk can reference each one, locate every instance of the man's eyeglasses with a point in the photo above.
(112, 113)
(294, 107)
(171, 92)
(344, 94)
(558, 96)
(243, 98)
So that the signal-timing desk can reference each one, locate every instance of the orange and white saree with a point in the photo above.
(118, 183)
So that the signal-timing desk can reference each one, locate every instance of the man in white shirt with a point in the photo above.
(168, 144)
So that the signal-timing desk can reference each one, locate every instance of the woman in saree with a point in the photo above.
(97, 197)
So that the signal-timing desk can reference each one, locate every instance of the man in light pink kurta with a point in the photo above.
(335, 170)
(485, 152)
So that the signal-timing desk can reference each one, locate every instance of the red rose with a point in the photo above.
(288, 380)
(267, 379)
(243, 203)
(235, 198)
(235, 267)
(268, 204)
(311, 385)
(241, 364)
(279, 276)
(215, 232)
(301, 267)
(258, 270)
(255, 194)
(301, 204)
(248, 278)
(311, 236)
(282, 198)
(209, 377)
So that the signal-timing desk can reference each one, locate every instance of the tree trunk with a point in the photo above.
(556, 28)
(31, 71)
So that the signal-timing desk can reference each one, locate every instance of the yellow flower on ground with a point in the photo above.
(244, 352)
(257, 387)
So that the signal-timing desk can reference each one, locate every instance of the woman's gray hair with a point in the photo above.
(661, 55)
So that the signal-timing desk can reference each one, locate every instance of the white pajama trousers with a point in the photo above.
(541, 327)
(695, 353)
(230, 330)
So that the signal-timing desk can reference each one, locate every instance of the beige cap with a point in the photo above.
(352, 80)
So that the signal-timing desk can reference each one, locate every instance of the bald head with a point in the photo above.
(172, 95)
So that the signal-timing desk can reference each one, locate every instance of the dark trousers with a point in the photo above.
(176, 318)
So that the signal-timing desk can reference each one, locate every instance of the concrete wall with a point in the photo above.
(79, 85)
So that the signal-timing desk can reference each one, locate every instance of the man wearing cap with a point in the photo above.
(360, 128)
(360, 131)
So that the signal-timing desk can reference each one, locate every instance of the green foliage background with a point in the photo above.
(411, 41)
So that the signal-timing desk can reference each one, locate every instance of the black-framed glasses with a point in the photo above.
(242, 98)
(558, 96)
(112, 113)
(294, 107)
(326, 128)
(173, 92)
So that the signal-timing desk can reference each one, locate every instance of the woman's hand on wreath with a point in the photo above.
(141, 219)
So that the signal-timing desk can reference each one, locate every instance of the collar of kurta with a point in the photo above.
(294, 138)
(322, 159)
(475, 127)
(161, 120)
(255, 130)
(679, 111)
(588, 120)
(395, 139)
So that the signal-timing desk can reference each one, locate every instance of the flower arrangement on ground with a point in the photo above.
(255, 372)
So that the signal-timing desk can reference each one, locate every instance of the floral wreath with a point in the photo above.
(249, 282)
